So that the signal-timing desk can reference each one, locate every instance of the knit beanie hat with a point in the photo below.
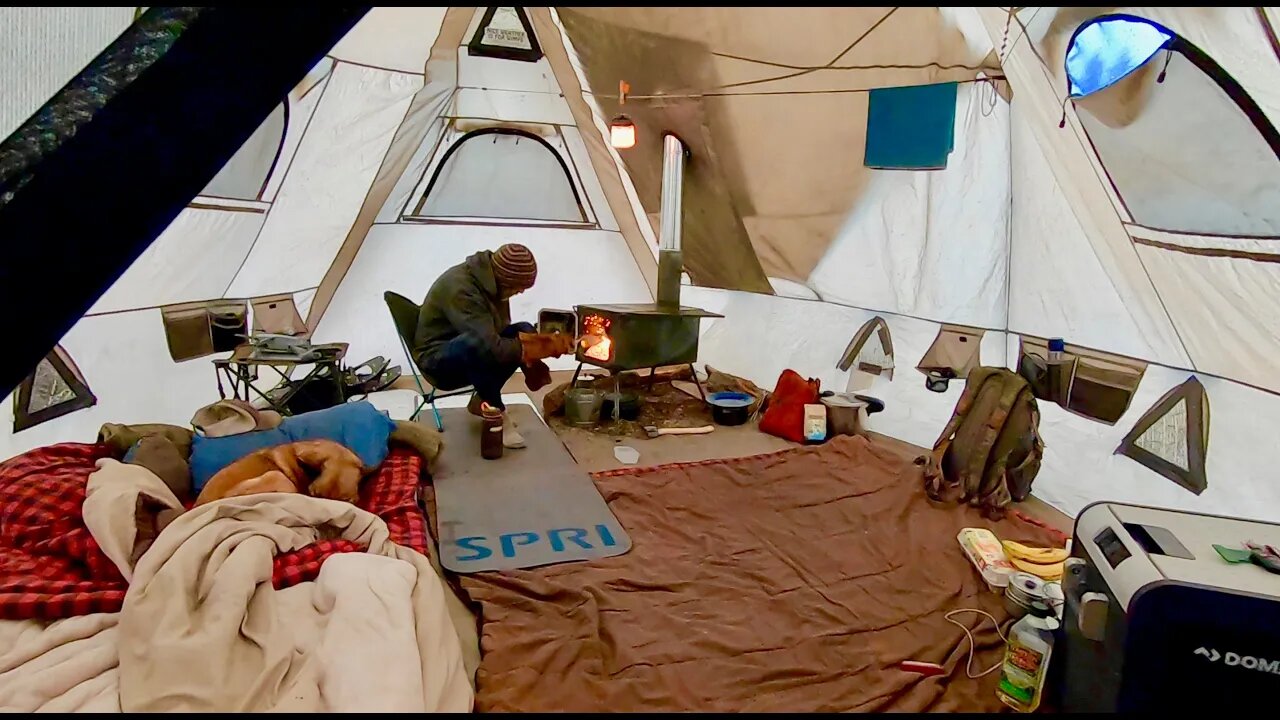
(514, 267)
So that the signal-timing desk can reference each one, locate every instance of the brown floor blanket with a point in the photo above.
(795, 581)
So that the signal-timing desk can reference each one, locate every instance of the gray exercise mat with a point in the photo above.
(533, 506)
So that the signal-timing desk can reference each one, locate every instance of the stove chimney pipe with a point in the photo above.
(670, 258)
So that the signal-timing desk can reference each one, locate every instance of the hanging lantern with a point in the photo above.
(622, 132)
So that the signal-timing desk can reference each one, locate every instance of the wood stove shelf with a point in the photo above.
(648, 309)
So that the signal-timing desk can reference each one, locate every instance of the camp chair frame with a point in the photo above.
(425, 397)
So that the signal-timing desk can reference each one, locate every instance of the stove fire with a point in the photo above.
(596, 343)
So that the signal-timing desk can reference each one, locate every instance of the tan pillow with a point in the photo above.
(122, 437)
(425, 440)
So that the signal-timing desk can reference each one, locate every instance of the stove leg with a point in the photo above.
(617, 397)
(574, 382)
(652, 372)
(698, 384)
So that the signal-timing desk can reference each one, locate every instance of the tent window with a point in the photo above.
(956, 349)
(54, 389)
(245, 175)
(1092, 384)
(1185, 147)
(505, 32)
(1105, 51)
(502, 173)
(1172, 438)
(871, 350)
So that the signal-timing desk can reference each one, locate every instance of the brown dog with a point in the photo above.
(322, 468)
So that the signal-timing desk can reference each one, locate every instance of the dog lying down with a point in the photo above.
(321, 468)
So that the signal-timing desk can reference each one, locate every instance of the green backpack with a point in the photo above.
(991, 449)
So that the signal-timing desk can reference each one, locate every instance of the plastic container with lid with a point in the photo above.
(984, 551)
(490, 432)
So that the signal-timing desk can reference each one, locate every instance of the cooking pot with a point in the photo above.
(582, 406)
(842, 413)
(729, 408)
(628, 406)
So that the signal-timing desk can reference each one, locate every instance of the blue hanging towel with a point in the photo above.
(911, 128)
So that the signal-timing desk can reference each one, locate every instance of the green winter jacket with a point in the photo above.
(464, 299)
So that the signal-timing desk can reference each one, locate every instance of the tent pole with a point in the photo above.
(106, 165)
(670, 258)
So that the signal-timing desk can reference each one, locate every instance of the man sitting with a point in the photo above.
(465, 335)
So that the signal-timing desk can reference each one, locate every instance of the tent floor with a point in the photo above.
(594, 451)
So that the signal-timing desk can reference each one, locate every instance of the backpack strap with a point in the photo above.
(983, 478)
(972, 388)
(1019, 478)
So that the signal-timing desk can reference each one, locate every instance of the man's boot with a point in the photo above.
(510, 436)
(473, 405)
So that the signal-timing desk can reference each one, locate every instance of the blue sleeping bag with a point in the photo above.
(358, 426)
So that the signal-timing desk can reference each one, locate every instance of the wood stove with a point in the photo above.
(630, 337)
(644, 335)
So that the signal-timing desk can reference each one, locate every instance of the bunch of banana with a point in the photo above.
(1044, 563)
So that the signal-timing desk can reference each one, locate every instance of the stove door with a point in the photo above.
(553, 320)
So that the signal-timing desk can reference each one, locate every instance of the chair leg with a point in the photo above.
(418, 408)
(435, 411)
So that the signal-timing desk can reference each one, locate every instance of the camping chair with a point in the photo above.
(404, 312)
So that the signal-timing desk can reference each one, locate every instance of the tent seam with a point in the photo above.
(1008, 259)
(333, 264)
(328, 82)
(1012, 331)
(337, 59)
(1120, 215)
(125, 311)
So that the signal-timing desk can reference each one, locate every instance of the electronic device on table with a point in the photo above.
(268, 346)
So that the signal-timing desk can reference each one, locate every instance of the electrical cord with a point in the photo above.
(989, 95)
(968, 666)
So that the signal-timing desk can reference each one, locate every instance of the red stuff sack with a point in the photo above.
(785, 415)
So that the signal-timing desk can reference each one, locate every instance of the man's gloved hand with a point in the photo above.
(536, 375)
(536, 346)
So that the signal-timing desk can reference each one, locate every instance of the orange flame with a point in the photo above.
(596, 343)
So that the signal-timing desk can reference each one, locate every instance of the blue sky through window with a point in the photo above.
(1108, 49)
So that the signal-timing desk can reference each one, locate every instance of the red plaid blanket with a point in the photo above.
(392, 496)
(51, 567)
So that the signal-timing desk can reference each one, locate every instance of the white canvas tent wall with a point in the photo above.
(1020, 234)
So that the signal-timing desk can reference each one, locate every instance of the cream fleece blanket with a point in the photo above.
(202, 628)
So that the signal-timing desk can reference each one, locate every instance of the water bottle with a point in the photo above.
(1057, 350)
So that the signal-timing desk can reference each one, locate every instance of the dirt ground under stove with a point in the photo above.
(662, 405)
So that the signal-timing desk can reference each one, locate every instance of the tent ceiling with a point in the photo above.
(777, 119)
